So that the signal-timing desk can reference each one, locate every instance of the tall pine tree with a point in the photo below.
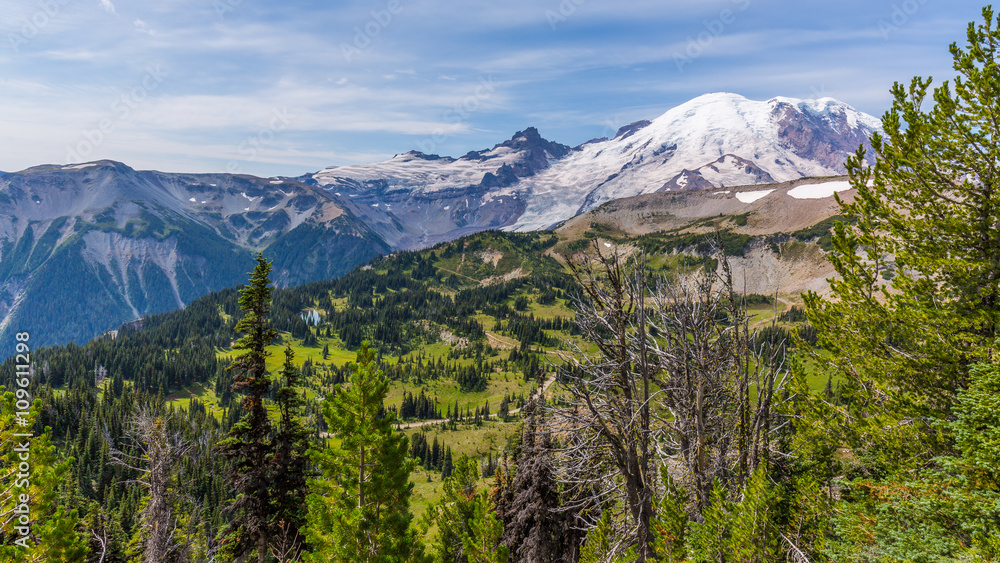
(248, 444)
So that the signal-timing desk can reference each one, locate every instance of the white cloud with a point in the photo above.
(141, 26)
(606, 65)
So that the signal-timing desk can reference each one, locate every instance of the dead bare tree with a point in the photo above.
(605, 415)
(286, 545)
(716, 385)
(102, 540)
(675, 381)
(154, 454)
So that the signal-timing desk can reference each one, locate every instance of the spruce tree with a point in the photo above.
(532, 529)
(290, 461)
(359, 509)
(248, 445)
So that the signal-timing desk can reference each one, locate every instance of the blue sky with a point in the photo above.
(284, 88)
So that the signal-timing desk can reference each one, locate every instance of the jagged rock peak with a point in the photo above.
(626, 130)
(530, 138)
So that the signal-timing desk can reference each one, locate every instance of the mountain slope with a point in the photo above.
(528, 183)
(728, 139)
(775, 234)
(416, 200)
(85, 248)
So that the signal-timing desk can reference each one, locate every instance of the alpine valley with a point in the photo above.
(87, 247)
(742, 331)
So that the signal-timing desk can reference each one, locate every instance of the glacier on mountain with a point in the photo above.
(713, 141)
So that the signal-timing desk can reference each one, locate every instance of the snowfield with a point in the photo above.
(715, 140)
(818, 191)
(750, 197)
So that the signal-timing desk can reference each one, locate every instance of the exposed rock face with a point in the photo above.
(627, 130)
(504, 177)
(85, 248)
(824, 139)
(753, 173)
(686, 180)
(538, 153)
(727, 170)
(715, 140)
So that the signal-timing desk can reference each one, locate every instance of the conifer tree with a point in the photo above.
(359, 509)
(482, 542)
(248, 444)
(453, 514)
(531, 526)
(51, 526)
(917, 299)
(290, 461)
(601, 545)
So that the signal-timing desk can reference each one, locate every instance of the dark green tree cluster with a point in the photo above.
(421, 407)
(430, 455)
(912, 324)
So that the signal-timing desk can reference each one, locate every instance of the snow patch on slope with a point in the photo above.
(818, 191)
(750, 197)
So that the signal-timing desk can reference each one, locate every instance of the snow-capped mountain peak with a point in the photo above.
(714, 140)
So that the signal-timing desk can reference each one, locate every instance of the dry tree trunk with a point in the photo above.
(155, 456)
(672, 379)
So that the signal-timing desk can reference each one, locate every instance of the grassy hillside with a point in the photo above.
(463, 330)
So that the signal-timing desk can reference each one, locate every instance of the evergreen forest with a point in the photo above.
(520, 397)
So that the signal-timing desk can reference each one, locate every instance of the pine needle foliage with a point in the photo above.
(359, 508)
(917, 297)
(248, 445)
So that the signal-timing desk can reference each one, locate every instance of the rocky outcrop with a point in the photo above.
(823, 138)
(85, 248)
(686, 180)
